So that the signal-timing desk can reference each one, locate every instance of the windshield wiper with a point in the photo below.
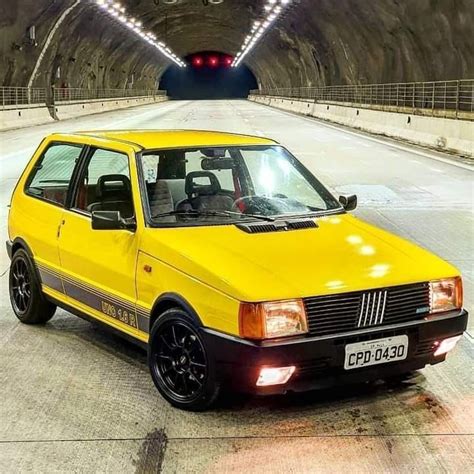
(211, 213)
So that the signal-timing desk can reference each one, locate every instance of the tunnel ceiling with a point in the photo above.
(316, 42)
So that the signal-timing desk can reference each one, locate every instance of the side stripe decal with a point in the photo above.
(107, 304)
(51, 280)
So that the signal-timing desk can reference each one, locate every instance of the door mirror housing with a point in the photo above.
(112, 220)
(349, 203)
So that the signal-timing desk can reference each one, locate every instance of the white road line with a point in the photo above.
(373, 139)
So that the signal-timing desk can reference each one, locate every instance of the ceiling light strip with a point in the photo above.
(272, 11)
(119, 13)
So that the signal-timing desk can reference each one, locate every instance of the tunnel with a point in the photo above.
(209, 75)
(315, 44)
(238, 236)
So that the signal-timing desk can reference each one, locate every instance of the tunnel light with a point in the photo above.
(118, 12)
(272, 11)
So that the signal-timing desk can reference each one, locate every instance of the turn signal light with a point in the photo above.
(274, 376)
(272, 319)
(447, 345)
(445, 295)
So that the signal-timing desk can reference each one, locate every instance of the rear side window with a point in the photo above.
(51, 176)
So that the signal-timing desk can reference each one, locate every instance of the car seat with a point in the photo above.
(204, 196)
(113, 193)
(161, 201)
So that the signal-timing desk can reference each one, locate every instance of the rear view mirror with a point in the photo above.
(210, 164)
(349, 203)
(111, 220)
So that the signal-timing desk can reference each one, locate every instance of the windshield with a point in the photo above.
(217, 185)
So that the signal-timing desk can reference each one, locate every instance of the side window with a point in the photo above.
(105, 184)
(52, 174)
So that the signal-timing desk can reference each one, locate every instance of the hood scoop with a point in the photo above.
(278, 226)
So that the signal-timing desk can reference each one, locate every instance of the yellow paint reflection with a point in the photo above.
(335, 284)
(354, 239)
(367, 250)
(379, 270)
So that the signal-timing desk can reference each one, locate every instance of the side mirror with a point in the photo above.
(349, 203)
(111, 220)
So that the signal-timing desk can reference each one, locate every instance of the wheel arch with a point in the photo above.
(172, 300)
(19, 243)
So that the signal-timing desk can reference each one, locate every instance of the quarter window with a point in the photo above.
(105, 184)
(51, 176)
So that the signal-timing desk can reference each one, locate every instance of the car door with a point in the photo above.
(98, 266)
(40, 209)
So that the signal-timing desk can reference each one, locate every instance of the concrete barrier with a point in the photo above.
(24, 117)
(77, 109)
(443, 134)
(40, 115)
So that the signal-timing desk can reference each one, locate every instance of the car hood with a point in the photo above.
(343, 254)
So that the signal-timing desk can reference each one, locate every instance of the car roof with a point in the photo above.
(155, 139)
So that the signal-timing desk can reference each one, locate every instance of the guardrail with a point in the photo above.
(13, 96)
(452, 97)
(76, 94)
(21, 97)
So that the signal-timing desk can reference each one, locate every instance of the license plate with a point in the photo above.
(380, 351)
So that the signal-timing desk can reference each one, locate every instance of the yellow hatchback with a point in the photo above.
(226, 258)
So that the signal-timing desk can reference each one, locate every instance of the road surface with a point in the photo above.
(75, 398)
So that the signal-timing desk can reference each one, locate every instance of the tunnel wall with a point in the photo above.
(322, 42)
(442, 134)
(90, 50)
(317, 42)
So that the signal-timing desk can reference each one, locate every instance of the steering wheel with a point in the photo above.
(254, 205)
(241, 204)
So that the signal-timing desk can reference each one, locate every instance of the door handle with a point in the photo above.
(58, 234)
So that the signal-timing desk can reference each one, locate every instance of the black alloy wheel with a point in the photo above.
(179, 363)
(28, 301)
(20, 286)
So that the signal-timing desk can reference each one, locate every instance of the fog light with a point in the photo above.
(274, 376)
(447, 345)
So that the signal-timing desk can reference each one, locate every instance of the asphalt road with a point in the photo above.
(75, 398)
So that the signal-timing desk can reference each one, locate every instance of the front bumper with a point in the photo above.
(319, 361)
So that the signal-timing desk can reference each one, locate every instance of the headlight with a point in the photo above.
(272, 319)
(445, 295)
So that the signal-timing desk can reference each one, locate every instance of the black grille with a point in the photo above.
(349, 311)
(257, 228)
(278, 226)
(307, 224)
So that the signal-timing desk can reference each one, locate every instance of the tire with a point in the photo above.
(181, 367)
(28, 302)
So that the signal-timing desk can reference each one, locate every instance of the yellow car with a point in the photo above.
(227, 259)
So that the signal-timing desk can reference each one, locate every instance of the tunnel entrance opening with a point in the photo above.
(208, 75)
